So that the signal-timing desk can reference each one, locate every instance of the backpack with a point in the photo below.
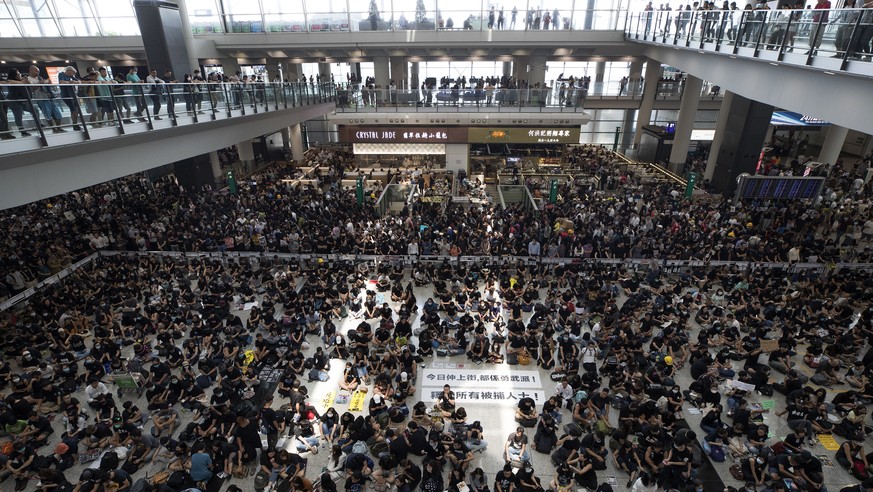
(141, 485)
(109, 461)
(716, 453)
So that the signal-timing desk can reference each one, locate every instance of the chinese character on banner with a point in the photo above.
(487, 395)
(444, 136)
(405, 135)
(483, 377)
(435, 394)
(462, 377)
(474, 395)
(504, 378)
(450, 377)
(525, 379)
(498, 395)
(441, 377)
(461, 395)
(523, 395)
(550, 133)
(512, 396)
(530, 133)
(514, 378)
(566, 133)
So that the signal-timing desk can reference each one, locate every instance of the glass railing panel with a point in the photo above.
(328, 22)
(91, 111)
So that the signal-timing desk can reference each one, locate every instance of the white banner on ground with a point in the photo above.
(481, 378)
(503, 396)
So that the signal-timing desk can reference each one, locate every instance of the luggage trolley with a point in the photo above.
(130, 381)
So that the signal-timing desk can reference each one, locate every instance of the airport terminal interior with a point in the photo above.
(434, 245)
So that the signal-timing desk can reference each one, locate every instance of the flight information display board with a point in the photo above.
(779, 187)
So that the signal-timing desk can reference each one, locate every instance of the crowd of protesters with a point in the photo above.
(617, 342)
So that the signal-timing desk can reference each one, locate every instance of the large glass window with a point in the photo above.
(116, 17)
(284, 16)
(204, 16)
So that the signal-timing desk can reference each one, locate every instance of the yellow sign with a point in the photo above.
(357, 403)
(828, 441)
(249, 357)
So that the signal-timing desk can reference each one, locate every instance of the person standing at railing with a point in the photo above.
(491, 16)
(17, 100)
(4, 120)
(647, 13)
(170, 85)
(104, 98)
(188, 92)
(45, 99)
(819, 24)
(198, 90)
(512, 19)
(156, 87)
(555, 16)
(70, 93)
(860, 45)
(500, 19)
(120, 98)
(133, 79)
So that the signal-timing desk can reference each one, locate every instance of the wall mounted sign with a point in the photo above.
(402, 134)
(552, 135)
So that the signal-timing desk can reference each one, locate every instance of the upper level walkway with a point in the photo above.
(130, 128)
(813, 61)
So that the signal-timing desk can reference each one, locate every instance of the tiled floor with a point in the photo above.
(497, 416)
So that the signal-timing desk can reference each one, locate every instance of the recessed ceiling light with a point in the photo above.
(829, 73)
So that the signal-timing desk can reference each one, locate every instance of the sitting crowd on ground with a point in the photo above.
(613, 340)
(628, 221)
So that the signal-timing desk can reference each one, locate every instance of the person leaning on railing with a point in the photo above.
(43, 93)
(70, 93)
(17, 100)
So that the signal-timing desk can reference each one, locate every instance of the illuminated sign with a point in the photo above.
(702, 135)
(401, 134)
(790, 118)
(524, 135)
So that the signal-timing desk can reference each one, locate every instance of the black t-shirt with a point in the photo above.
(504, 483)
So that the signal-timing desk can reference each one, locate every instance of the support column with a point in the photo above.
(507, 68)
(687, 114)
(457, 157)
(520, 68)
(380, 68)
(188, 37)
(833, 144)
(599, 70)
(295, 135)
(399, 72)
(742, 136)
(414, 82)
(721, 123)
(537, 73)
(217, 173)
(166, 35)
(635, 78)
(230, 66)
(653, 73)
(246, 155)
(324, 71)
(627, 130)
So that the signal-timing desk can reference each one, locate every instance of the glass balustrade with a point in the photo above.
(838, 39)
(71, 113)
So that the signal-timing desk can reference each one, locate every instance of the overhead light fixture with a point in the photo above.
(774, 64)
(66, 61)
(829, 73)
